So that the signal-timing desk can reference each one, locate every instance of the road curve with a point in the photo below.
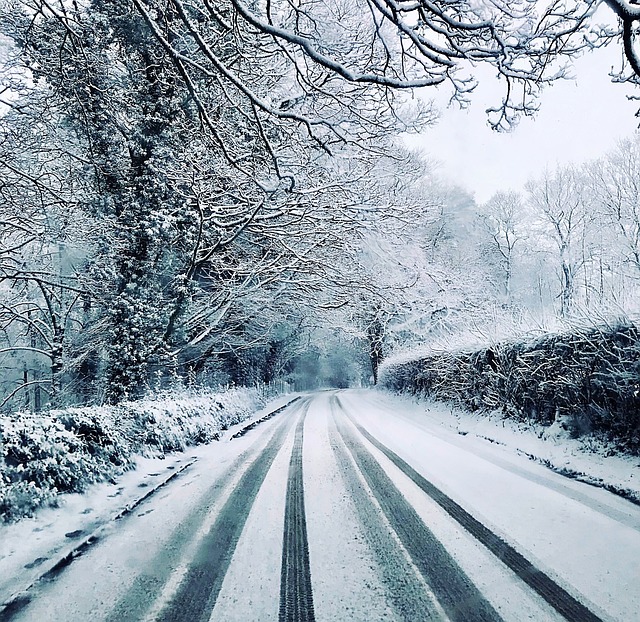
(334, 509)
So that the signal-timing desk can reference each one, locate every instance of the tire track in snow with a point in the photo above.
(455, 592)
(14, 605)
(296, 595)
(547, 480)
(405, 590)
(199, 590)
(148, 586)
(561, 600)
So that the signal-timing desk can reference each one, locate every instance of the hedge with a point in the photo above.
(45, 454)
(590, 379)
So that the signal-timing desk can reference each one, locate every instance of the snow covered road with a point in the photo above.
(346, 506)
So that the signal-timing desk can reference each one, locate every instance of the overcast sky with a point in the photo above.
(579, 120)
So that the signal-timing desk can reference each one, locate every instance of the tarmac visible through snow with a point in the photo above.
(346, 507)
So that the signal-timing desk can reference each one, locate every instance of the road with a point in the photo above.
(343, 507)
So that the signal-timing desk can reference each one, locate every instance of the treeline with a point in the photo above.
(174, 202)
(185, 189)
(564, 251)
(588, 380)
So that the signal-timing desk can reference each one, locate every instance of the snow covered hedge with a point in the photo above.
(44, 454)
(589, 380)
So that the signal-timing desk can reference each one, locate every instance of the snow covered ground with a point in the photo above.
(32, 546)
(46, 454)
(375, 543)
(584, 537)
(587, 458)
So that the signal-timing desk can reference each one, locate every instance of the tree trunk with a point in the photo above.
(375, 336)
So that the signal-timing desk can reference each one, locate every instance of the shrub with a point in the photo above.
(590, 378)
(45, 454)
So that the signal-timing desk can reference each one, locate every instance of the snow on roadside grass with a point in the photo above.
(32, 546)
(63, 451)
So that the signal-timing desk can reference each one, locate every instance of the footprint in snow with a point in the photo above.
(36, 562)
(154, 474)
(145, 513)
(87, 511)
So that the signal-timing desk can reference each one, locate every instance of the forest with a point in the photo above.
(198, 194)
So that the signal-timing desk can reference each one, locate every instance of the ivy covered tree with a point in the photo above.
(201, 199)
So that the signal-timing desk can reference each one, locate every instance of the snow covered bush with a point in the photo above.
(44, 454)
(588, 379)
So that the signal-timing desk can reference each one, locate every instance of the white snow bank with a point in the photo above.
(32, 546)
(587, 458)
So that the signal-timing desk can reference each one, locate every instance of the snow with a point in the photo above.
(584, 537)
(346, 580)
(30, 547)
(587, 458)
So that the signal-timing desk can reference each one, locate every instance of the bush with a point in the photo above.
(44, 454)
(590, 379)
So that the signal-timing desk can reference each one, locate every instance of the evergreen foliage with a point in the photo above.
(46, 454)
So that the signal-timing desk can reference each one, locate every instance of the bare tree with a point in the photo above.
(40, 227)
(322, 53)
(560, 201)
(502, 216)
(393, 44)
(616, 191)
(223, 145)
